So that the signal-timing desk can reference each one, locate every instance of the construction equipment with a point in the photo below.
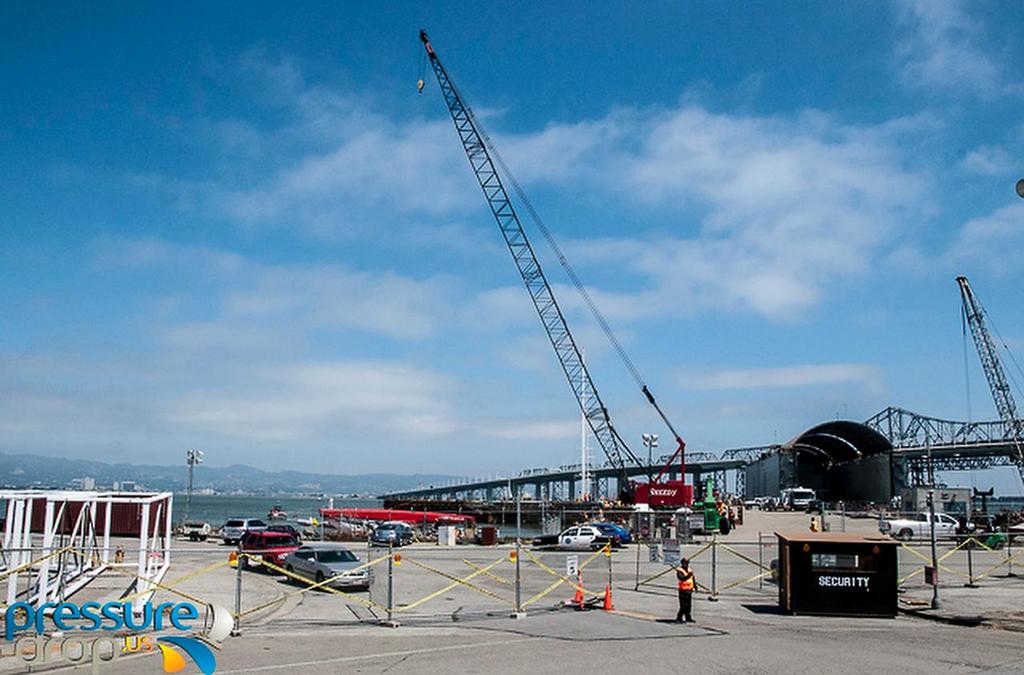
(482, 157)
(974, 316)
(703, 516)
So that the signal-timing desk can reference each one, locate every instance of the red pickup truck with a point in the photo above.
(266, 545)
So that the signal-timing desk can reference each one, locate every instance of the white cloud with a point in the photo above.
(401, 169)
(530, 430)
(987, 160)
(789, 377)
(253, 300)
(764, 213)
(382, 303)
(298, 401)
(994, 241)
(787, 208)
(945, 48)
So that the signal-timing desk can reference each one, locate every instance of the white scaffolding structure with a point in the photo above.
(56, 541)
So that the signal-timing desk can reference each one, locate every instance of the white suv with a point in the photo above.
(234, 528)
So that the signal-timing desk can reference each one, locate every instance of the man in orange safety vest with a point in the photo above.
(686, 583)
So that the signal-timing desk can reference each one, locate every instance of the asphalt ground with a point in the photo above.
(729, 638)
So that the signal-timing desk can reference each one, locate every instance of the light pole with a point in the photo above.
(935, 555)
(650, 442)
(1020, 188)
(192, 457)
(931, 523)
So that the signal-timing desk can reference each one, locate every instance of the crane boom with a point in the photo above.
(479, 153)
(993, 368)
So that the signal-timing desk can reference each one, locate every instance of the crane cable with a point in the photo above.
(564, 262)
(1006, 347)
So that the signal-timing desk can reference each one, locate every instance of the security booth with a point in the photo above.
(837, 574)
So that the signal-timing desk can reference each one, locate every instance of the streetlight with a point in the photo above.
(192, 457)
(1020, 188)
(650, 442)
(935, 555)
(931, 523)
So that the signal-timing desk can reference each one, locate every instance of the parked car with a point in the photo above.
(583, 537)
(918, 526)
(321, 560)
(234, 528)
(284, 527)
(196, 530)
(392, 533)
(262, 545)
(618, 534)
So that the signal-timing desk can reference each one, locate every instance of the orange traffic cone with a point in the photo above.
(608, 598)
(578, 599)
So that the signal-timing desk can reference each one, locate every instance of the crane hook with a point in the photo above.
(419, 86)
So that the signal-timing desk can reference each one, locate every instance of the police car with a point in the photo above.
(577, 538)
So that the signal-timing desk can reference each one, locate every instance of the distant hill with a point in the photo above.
(35, 471)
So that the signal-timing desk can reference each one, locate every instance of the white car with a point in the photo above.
(583, 538)
(917, 526)
(318, 561)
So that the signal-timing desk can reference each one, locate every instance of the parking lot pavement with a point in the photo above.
(597, 642)
(997, 604)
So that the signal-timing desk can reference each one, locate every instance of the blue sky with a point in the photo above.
(239, 227)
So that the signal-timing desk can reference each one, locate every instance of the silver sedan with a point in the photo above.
(319, 561)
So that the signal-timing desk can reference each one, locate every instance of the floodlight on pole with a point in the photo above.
(192, 457)
(1020, 188)
(650, 442)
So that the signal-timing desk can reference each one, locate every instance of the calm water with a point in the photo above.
(215, 509)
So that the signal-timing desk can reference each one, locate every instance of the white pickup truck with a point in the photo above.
(917, 526)
(196, 530)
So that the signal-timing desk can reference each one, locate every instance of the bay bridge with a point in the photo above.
(917, 445)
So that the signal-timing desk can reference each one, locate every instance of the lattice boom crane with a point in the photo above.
(479, 152)
(990, 363)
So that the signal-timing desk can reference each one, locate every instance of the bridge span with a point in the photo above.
(951, 446)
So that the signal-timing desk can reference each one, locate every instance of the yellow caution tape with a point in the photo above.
(462, 581)
(33, 563)
(658, 575)
(575, 584)
(476, 588)
(312, 585)
(743, 557)
(665, 571)
(554, 584)
(745, 581)
(155, 584)
(497, 577)
(178, 580)
(1004, 561)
